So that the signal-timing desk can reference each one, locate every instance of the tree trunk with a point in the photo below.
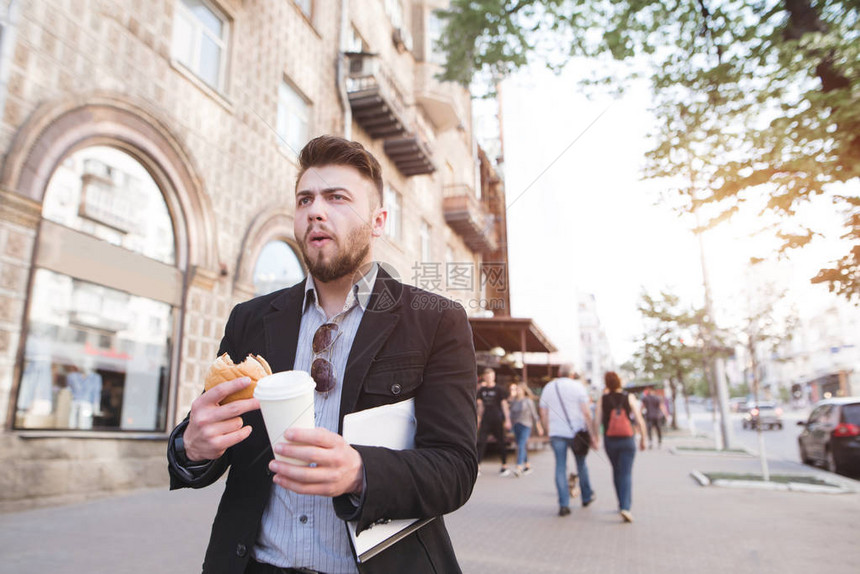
(674, 387)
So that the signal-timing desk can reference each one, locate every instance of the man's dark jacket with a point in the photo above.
(410, 343)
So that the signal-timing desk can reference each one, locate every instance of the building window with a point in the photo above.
(306, 6)
(424, 236)
(394, 11)
(200, 35)
(106, 193)
(435, 27)
(401, 37)
(97, 356)
(277, 267)
(293, 115)
(394, 204)
(354, 41)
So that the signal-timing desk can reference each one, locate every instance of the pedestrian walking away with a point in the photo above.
(352, 326)
(494, 418)
(524, 417)
(655, 413)
(566, 416)
(619, 412)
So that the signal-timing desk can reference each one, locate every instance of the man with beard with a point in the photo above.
(367, 340)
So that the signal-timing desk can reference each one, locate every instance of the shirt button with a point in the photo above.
(303, 519)
(241, 550)
(395, 389)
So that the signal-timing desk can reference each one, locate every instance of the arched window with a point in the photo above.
(104, 300)
(277, 267)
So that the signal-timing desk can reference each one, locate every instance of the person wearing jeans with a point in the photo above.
(560, 446)
(621, 452)
(523, 416)
(564, 412)
(620, 449)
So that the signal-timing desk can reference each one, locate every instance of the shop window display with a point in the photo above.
(93, 367)
(97, 358)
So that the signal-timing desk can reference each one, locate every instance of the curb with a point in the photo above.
(761, 485)
(700, 478)
(681, 451)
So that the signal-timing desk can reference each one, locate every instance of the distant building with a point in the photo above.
(596, 356)
(819, 357)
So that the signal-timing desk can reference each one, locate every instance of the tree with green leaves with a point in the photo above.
(758, 101)
(670, 348)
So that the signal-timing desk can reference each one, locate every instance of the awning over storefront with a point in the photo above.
(513, 334)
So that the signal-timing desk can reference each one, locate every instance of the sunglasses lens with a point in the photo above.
(324, 337)
(322, 372)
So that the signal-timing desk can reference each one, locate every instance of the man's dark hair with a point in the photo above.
(332, 150)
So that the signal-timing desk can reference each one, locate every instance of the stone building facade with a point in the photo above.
(147, 179)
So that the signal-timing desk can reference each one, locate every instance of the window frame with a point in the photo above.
(395, 212)
(294, 250)
(425, 242)
(59, 250)
(224, 42)
(283, 139)
(309, 13)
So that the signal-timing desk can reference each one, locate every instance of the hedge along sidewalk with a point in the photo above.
(786, 482)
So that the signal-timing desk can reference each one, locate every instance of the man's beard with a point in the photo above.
(345, 261)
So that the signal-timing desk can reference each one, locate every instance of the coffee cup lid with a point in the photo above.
(284, 385)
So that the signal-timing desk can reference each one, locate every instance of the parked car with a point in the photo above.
(831, 435)
(737, 403)
(764, 415)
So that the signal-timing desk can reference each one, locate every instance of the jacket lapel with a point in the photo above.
(379, 320)
(281, 326)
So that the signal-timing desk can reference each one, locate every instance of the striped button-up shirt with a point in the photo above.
(299, 530)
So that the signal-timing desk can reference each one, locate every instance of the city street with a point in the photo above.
(780, 444)
(508, 527)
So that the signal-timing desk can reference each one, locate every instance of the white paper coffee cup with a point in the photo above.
(287, 401)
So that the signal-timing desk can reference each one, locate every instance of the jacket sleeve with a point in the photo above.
(181, 477)
(198, 477)
(437, 476)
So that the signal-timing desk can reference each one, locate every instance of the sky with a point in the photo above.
(581, 220)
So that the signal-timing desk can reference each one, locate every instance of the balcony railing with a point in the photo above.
(468, 218)
(376, 102)
(377, 106)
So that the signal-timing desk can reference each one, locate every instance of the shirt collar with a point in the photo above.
(360, 292)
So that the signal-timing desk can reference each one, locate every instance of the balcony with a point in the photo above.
(377, 106)
(376, 102)
(410, 155)
(440, 100)
(468, 218)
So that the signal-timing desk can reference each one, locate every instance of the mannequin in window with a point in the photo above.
(86, 387)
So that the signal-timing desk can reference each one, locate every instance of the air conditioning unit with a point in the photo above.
(362, 64)
(402, 39)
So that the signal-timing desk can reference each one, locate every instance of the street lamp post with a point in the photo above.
(718, 367)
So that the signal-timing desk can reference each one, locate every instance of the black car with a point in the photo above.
(831, 436)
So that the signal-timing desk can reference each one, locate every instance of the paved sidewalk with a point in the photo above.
(509, 526)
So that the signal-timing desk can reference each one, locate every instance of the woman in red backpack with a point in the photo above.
(618, 412)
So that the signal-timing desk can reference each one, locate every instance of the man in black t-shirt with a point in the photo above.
(493, 417)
